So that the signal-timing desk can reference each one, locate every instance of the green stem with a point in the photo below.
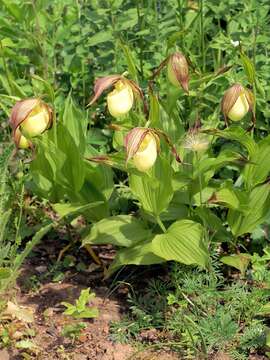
(204, 347)
(6, 67)
(160, 223)
(18, 222)
(200, 179)
(140, 24)
(79, 9)
(41, 41)
(202, 35)
(181, 22)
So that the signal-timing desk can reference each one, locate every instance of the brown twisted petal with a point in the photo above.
(160, 133)
(135, 87)
(133, 141)
(250, 98)
(135, 137)
(21, 110)
(230, 97)
(180, 68)
(103, 84)
(138, 91)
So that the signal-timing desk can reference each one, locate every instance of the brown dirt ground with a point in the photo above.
(94, 343)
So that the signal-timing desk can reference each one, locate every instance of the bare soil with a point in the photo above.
(95, 342)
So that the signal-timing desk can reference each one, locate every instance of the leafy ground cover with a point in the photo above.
(134, 190)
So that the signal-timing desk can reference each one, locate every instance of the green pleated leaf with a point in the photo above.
(154, 189)
(73, 209)
(99, 38)
(238, 261)
(154, 112)
(214, 164)
(231, 198)
(121, 230)
(75, 121)
(31, 244)
(182, 242)
(257, 171)
(248, 67)
(130, 61)
(140, 254)
(4, 273)
(236, 133)
(259, 203)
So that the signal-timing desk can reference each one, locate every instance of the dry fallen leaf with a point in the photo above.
(19, 312)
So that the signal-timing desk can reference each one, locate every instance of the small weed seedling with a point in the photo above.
(81, 310)
(73, 331)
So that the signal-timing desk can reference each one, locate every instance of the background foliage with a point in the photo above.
(56, 49)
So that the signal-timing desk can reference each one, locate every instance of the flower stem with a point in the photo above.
(200, 178)
(202, 35)
(6, 67)
(160, 223)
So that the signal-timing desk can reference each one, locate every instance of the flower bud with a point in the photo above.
(120, 100)
(177, 70)
(31, 116)
(237, 102)
(142, 146)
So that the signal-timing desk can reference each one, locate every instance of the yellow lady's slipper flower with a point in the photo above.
(29, 118)
(146, 155)
(142, 146)
(37, 121)
(120, 100)
(237, 102)
(239, 109)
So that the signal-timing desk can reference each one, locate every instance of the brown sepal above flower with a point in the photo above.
(104, 83)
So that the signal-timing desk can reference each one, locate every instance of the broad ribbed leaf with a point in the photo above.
(182, 242)
(4, 273)
(154, 190)
(140, 254)
(121, 230)
(259, 203)
(257, 171)
(154, 113)
(238, 261)
(249, 68)
(73, 209)
(75, 121)
(230, 198)
(235, 133)
(30, 245)
(224, 158)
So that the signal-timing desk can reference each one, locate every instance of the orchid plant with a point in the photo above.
(172, 168)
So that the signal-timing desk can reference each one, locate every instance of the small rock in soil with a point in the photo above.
(4, 355)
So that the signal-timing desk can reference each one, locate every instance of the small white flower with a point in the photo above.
(196, 142)
(235, 43)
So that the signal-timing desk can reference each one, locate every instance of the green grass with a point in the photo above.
(199, 313)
